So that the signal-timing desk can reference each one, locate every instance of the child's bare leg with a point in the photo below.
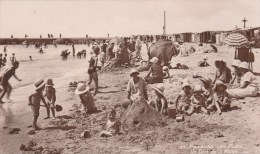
(190, 111)
(218, 107)
(210, 107)
(48, 112)
(204, 110)
(105, 134)
(53, 111)
(95, 78)
(9, 90)
(35, 126)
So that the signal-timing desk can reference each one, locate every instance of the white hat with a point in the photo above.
(81, 88)
(133, 70)
(165, 68)
(154, 60)
(39, 83)
(197, 88)
(159, 88)
(236, 62)
(244, 65)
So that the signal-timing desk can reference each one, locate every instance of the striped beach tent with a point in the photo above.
(236, 40)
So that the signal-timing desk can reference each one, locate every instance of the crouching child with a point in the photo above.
(35, 100)
(208, 93)
(183, 100)
(220, 97)
(198, 100)
(160, 103)
(113, 125)
(86, 98)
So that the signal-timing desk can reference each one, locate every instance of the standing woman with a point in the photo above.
(138, 47)
(92, 70)
(248, 85)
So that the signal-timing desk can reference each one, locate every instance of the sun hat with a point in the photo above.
(81, 88)
(219, 83)
(236, 62)
(154, 60)
(244, 65)
(165, 68)
(133, 71)
(159, 88)
(197, 88)
(49, 82)
(206, 80)
(39, 84)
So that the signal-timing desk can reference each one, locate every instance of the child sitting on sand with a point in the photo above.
(208, 92)
(35, 100)
(220, 97)
(180, 66)
(113, 125)
(183, 100)
(198, 100)
(161, 104)
(204, 63)
(51, 97)
(166, 72)
(86, 98)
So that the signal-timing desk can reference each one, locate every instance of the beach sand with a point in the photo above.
(236, 131)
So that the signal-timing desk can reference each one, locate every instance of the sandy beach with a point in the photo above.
(235, 131)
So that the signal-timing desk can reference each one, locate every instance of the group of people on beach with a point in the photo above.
(208, 97)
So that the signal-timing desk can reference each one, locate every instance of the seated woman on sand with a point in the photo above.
(156, 71)
(248, 85)
(223, 73)
(237, 74)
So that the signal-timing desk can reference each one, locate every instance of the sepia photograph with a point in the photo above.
(129, 76)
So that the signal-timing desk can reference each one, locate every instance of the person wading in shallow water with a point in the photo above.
(7, 88)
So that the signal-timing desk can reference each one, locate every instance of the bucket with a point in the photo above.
(172, 112)
(180, 118)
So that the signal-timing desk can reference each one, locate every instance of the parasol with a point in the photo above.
(236, 40)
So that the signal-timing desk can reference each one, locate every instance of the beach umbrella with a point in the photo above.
(236, 40)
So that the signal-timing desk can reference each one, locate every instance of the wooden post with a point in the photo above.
(164, 24)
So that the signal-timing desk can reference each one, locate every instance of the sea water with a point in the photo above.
(47, 65)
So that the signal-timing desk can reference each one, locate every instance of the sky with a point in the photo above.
(76, 18)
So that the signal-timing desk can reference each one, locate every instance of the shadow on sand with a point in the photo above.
(60, 127)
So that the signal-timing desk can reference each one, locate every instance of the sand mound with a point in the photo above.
(141, 116)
